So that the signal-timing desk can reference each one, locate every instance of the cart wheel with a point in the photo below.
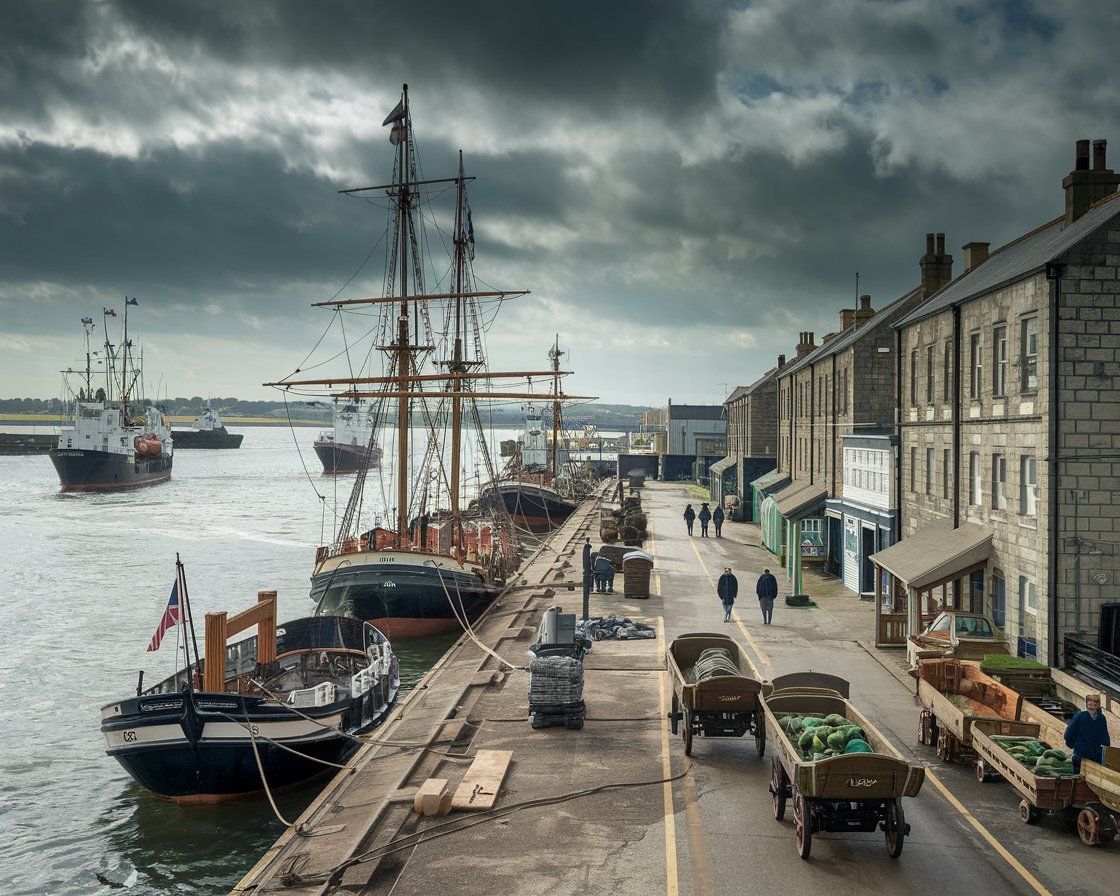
(1028, 814)
(1089, 826)
(778, 788)
(673, 716)
(760, 738)
(1108, 827)
(981, 771)
(686, 731)
(925, 727)
(802, 825)
(894, 827)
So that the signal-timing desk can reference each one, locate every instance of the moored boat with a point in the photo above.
(265, 713)
(425, 564)
(108, 445)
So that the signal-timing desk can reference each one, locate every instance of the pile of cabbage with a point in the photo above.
(1044, 761)
(819, 737)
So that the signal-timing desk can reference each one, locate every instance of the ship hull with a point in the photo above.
(337, 458)
(82, 470)
(212, 438)
(533, 507)
(399, 593)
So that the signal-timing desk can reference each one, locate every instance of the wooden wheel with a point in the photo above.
(1028, 814)
(894, 827)
(778, 788)
(1089, 826)
(802, 825)
(981, 771)
(686, 731)
(759, 735)
(673, 715)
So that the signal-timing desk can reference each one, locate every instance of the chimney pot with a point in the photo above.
(1098, 154)
(1082, 162)
(781, 360)
(929, 244)
(940, 244)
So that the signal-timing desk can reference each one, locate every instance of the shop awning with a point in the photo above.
(800, 499)
(936, 555)
(721, 465)
(770, 480)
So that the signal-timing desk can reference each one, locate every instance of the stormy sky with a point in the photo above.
(683, 185)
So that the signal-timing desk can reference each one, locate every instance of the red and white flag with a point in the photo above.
(171, 616)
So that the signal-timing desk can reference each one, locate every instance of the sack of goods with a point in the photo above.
(555, 681)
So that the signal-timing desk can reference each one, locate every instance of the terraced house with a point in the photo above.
(1009, 420)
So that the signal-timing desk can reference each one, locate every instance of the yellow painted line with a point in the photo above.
(671, 884)
(738, 619)
(1034, 883)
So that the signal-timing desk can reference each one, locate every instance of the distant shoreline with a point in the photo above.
(53, 420)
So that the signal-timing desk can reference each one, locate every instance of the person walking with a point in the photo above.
(1087, 732)
(717, 520)
(705, 518)
(728, 589)
(689, 517)
(767, 591)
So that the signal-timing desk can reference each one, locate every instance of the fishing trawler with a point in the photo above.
(108, 445)
(426, 564)
(349, 445)
(264, 713)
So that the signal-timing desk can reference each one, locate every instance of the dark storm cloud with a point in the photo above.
(670, 179)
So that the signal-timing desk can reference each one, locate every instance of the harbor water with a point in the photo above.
(84, 579)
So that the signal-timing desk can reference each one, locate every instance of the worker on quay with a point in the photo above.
(1087, 732)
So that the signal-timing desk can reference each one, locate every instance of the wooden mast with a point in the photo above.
(554, 457)
(404, 362)
(457, 365)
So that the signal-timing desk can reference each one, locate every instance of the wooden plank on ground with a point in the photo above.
(480, 785)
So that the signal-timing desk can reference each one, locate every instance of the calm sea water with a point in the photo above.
(84, 579)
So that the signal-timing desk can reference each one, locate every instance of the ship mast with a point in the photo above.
(456, 364)
(401, 137)
(554, 355)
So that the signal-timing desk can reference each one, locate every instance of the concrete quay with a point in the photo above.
(616, 807)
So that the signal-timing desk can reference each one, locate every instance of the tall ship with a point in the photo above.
(431, 561)
(112, 441)
(207, 431)
(350, 444)
(539, 488)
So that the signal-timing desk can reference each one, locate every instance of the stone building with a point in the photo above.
(752, 446)
(1009, 403)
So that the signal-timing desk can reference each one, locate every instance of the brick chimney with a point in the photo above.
(864, 311)
(806, 344)
(847, 318)
(936, 266)
(781, 361)
(1083, 186)
(974, 253)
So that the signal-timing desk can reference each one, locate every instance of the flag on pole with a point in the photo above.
(112, 312)
(129, 301)
(396, 115)
(171, 616)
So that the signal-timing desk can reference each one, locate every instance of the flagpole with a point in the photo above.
(181, 572)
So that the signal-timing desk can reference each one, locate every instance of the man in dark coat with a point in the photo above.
(604, 575)
(717, 520)
(728, 589)
(705, 518)
(767, 591)
(1087, 732)
(689, 517)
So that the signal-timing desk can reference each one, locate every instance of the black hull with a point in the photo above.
(533, 508)
(214, 438)
(345, 458)
(402, 601)
(80, 470)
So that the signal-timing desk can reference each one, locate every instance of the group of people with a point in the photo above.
(766, 589)
(706, 516)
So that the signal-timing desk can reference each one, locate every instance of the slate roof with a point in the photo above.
(696, 412)
(1026, 255)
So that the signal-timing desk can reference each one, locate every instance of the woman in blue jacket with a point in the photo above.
(1087, 732)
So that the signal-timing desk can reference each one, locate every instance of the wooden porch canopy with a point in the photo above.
(928, 559)
(799, 499)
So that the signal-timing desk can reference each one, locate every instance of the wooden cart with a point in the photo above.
(715, 690)
(954, 695)
(843, 793)
(1070, 794)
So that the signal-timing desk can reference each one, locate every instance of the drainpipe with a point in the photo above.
(897, 456)
(1054, 275)
(956, 412)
